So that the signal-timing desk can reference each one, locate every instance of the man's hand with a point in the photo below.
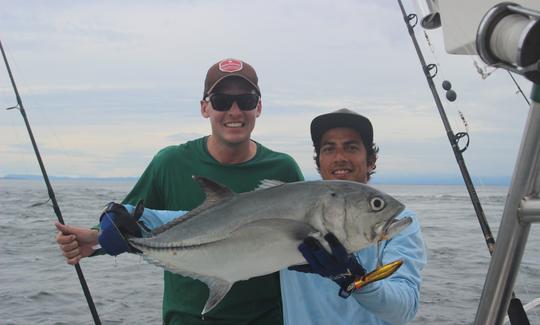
(339, 266)
(75, 242)
(117, 225)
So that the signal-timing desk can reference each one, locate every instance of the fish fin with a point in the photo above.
(214, 192)
(139, 210)
(268, 183)
(217, 288)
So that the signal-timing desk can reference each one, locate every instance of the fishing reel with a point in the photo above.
(508, 37)
(504, 34)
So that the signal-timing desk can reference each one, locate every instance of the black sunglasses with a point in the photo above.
(223, 102)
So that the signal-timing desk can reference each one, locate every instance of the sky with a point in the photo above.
(107, 84)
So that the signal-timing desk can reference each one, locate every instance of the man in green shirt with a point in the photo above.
(231, 101)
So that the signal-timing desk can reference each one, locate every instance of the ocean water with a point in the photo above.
(38, 287)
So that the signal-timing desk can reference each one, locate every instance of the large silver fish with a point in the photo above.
(232, 237)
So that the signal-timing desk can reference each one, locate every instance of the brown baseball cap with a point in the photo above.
(230, 68)
(342, 118)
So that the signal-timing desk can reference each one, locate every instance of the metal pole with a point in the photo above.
(56, 208)
(513, 232)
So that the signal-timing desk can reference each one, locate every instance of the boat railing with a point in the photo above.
(522, 208)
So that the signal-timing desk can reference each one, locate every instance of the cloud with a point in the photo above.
(107, 84)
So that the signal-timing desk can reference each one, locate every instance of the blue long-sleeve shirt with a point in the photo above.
(155, 218)
(312, 299)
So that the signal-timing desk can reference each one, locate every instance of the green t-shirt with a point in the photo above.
(167, 184)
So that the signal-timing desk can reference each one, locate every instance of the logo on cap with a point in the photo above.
(230, 65)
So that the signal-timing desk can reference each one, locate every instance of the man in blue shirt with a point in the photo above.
(344, 150)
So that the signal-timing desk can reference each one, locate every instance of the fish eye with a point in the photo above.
(377, 204)
(333, 194)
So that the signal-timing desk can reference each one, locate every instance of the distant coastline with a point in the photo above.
(377, 179)
(75, 178)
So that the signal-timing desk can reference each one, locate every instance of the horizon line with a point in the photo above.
(386, 180)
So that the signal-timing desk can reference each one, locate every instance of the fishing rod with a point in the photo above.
(519, 90)
(516, 312)
(56, 208)
(490, 241)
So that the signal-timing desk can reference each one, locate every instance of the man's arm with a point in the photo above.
(119, 222)
(396, 299)
(78, 242)
(154, 218)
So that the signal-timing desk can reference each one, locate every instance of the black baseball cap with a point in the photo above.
(342, 118)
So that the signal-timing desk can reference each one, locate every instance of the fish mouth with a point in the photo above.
(393, 226)
(389, 229)
(382, 231)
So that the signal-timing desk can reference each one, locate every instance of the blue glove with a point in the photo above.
(340, 267)
(116, 225)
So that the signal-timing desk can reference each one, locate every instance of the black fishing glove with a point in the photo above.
(340, 267)
(116, 225)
